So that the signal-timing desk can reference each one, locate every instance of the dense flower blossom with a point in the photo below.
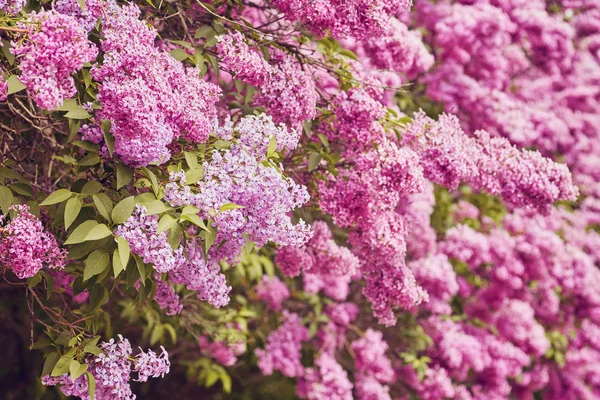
(248, 65)
(326, 380)
(150, 98)
(522, 178)
(370, 358)
(140, 232)
(369, 388)
(223, 353)
(151, 365)
(285, 90)
(282, 351)
(112, 371)
(12, 7)
(435, 274)
(273, 292)
(25, 247)
(54, 47)
(167, 298)
(402, 51)
(358, 18)
(321, 255)
(197, 275)
(88, 17)
(3, 90)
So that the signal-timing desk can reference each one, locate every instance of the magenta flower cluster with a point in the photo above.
(342, 18)
(53, 49)
(150, 98)
(25, 247)
(112, 371)
(285, 89)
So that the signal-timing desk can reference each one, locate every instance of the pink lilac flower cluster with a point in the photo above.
(373, 367)
(87, 17)
(166, 297)
(342, 18)
(326, 380)
(11, 7)
(224, 353)
(325, 265)
(240, 175)
(149, 97)
(436, 275)
(54, 47)
(332, 336)
(112, 371)
(522, 178)
(365, 198)
(402, 51)
(520, 71)
(25, 247)
(272, 291)
(282, 351)
(140, 232)
(285, 90)
(202, 277)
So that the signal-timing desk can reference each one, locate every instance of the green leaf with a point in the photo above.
(78, 235)
(179, 54)
(211, 378)
(99, 231)
(118, 266)
(91, 385)
(23, 189)
(91, 346)
(86, 145)
(204, 31)
(6, 199)
(225, 381)
(89, 160)
(169, 328)
(174, 236)
(92, 187)
(57, 197)
(141, 267)
(123, 210)
(82, 5)
(157, 334)
(95, 264)
(76, 369)
(191, 159)
(104, 205)
(166, 222)
(63, 363)
(6, 46)
(323, 139)
(313, 161)
(272, 148)
(347, 53)
(49, 363)
(124, 251)
(194, 175)
(108, 138)
(230, 206)
(194, 219)
(72, 210)
(150, 175)
(155, 207)
(124, 176)
(78, 113)
(14, 85)
(209, 238)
